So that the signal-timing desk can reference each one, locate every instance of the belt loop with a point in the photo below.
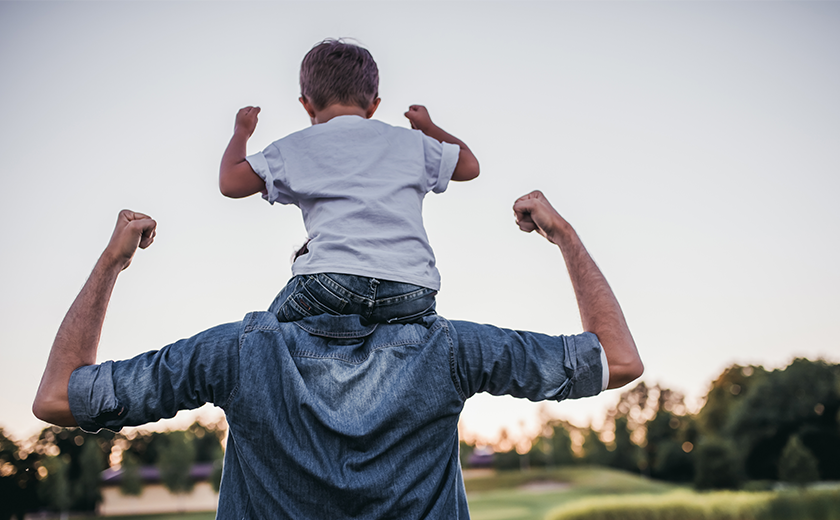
(374, 284)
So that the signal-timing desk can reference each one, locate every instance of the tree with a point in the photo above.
(144, 446)
(175, 461)
(716, 465)
(594, 449)
(554, 446)
(561, 445)
(670, 438)
(797, 465)
(464, 452)
(802, 399)
(130, 481)
(86, 486)
(207, 441)
(673, 463)
(55, 490)
(627, 455)
(18, 479)
(86, 456)
(216, 476)
(645, 418)
(733, 386)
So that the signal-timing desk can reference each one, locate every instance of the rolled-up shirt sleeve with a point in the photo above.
(157, 384)
(605, 373)
(441, 159)
(270, 166)
(525, 364)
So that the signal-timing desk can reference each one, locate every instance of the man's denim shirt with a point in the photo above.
(330, 418)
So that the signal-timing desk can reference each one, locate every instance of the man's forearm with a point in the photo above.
(599, 309)
(75, 344)
(600, 312)
(77, 339)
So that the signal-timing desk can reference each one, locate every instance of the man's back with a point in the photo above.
(334, 419)
(350, 423)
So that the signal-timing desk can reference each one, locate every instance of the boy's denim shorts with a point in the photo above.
(376, 301)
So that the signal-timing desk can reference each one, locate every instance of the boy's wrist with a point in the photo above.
(241, 132)
(429, 128)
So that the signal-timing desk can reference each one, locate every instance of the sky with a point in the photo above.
(694, 146)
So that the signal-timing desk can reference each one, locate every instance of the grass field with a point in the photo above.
(530, 495)
(520, 495)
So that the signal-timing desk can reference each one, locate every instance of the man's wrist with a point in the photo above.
(111, 261)
(562, 234)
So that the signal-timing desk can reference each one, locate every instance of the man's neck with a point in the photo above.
(335, 110)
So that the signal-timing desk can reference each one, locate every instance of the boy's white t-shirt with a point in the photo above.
(360, 185)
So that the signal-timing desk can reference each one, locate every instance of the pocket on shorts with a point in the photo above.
(311, 298)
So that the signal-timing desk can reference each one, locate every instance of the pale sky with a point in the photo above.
(695, 146)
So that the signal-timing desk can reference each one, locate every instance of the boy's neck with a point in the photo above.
(335, 110)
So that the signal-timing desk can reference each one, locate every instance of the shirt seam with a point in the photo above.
(453, 365)
(242, 334)
(355, 361)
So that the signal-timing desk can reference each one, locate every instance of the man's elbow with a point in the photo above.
(42, 410)
(625, 373)
(53, 411)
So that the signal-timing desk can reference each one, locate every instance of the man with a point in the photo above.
(331, 417)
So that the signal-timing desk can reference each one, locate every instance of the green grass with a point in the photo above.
(503, 497)
(592, 493)
(799, 504)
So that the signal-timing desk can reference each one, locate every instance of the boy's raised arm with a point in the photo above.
(467, 168)
(236, 177)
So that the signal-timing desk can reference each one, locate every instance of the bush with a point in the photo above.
(797, 465)
(680, 505)
(716, 465)
(720, 505)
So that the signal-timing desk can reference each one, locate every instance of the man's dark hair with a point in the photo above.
(338, 72)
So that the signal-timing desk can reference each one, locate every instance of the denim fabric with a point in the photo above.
(332, 418)
(376, 301)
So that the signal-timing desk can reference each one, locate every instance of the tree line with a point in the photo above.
(756, 427)
(60, 470)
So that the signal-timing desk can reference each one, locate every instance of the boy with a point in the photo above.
(360, 185)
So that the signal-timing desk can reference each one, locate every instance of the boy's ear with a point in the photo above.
(308, 107)
(372, 108)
